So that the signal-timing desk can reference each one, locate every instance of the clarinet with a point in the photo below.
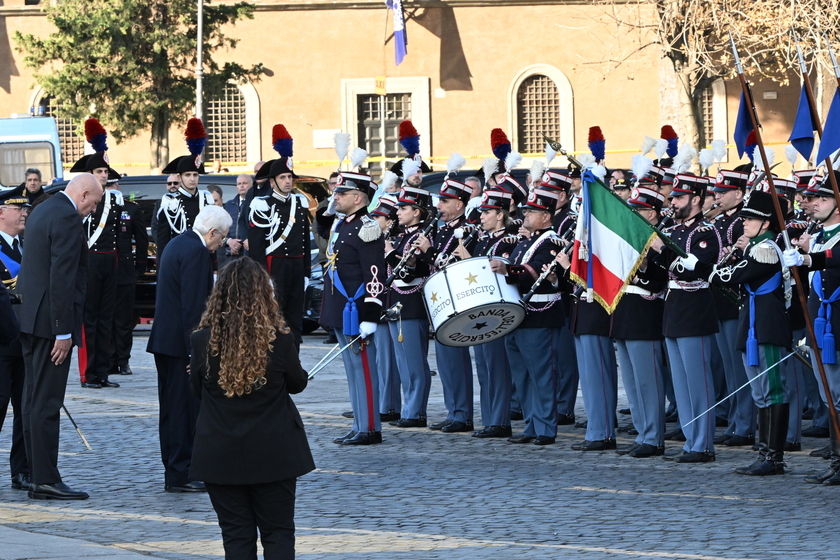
(410, 252)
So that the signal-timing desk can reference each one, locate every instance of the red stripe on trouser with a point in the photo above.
(83, 358)
(368, 388)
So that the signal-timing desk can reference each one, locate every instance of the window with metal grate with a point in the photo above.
(72, 143)
(224, 119)
(538, 112)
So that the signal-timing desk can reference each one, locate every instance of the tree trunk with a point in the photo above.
(159, 141)
(691, 120)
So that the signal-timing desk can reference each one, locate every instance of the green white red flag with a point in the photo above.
(610, 242)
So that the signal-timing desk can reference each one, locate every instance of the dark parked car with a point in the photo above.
(432, 181)
(146, 190)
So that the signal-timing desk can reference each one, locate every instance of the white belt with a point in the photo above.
(630, 289)
(415, 282)
(542, 298)
(696, 285)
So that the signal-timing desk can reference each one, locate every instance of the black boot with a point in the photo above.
(831, 473)
(763, 441)
(774, 462)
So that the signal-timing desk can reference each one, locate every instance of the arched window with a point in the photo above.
(226, 124)
(712, 106)
(72, 144)
(538, 104)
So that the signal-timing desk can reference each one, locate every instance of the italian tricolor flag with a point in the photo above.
(610, 243)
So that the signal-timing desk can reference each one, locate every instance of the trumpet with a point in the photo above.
(411, 251)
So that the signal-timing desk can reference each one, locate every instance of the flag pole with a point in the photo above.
(815, 118)
(781, 219)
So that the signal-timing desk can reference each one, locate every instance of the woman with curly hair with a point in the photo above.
(250, 445)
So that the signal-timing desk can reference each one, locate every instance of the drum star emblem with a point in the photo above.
(479, 326)
(472, 279)
(434, 297)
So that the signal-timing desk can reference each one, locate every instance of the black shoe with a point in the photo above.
(348, 435)
(646, 450)
(57, 491)
(389, 416)
(86, 385)
(625, 449)
(600, 445)
(410, 423)
(808, 415)
(815, 431)
(124, 370)
(793, 446)
(440, 425)
(720, 439)
(456, 426)
(582, 424)
(493, 432)
(521, 438)
(21, 481)
(516, 415)
(830, 472)
(347, 414)
(624, 411)
(368, 438)
(193, 486)
(739, 441)
(107, 383)
(834, 480)
(767, 468)
(695, 457)
(675, 435)
(626, 428)
(565, 419)
(823, 452)
(632, 432)
(543, 440)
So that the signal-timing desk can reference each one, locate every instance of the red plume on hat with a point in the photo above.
(95, 135)
(196, 136)
(282, 141)
(668, 133)
(409, 138)
(499, 143)
(597, 143)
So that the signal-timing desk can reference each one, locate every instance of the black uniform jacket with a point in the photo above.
(795, 228)
(106, 241)
(639, 316)
(827, 261)
(264, 230)
(133, 257)
(445, 243)
(758, 265)
(11, 347)
(356, 262)
(9, 325)
(53, 274)
(731, 228)
(256, 438)
(691, 311)
(185, 279)
(407, 287)
(524, 271)
(180, 208)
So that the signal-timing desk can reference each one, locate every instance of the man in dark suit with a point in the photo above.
(52, 283)
(185, 279)
(14, 208)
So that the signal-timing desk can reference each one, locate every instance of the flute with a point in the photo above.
(411, 251)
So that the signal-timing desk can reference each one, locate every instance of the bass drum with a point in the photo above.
(469, 304)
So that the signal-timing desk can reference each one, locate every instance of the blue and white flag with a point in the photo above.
(400, 38)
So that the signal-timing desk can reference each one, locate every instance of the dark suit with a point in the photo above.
(185, 279)
(52, 282)
(11, 364)
(250, 449)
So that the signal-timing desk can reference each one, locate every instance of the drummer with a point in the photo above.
(410, 334)
(491, 361)
(529, 347)
(454, 364)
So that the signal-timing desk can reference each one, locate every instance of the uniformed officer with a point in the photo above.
(101, 296)
(454, 364)
(14, 208)
(529, 347)
(353, 291)
(390, 401)
(824, 303)
(637, 329)
(730, 190)
(689, 318)
(178, 210)
(409, 335)
(279, 239)
(132, 249)
(763, 333)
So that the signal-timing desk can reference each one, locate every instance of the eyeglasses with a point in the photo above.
(172, 183)
(21, 208)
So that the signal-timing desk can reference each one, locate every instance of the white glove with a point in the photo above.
(331, 207)
(306, 282)
(792, 257)
(688, 262)
(367, 328)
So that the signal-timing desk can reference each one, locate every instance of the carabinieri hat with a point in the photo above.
(557, 180)
(352, 181)
(821, 186)
(386, 207)
(543, 198)
(196, 138)
(646, 198)
(96, 136)
(496, 199)
(456, 189)
(689, 184)
(413, 196)
(727, 181)
(516, 190)
(803, 178)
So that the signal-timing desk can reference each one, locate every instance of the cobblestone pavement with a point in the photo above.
(419, 495)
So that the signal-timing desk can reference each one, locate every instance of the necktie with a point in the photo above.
(16, 249)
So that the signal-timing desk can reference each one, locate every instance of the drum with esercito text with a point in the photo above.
(469, 304)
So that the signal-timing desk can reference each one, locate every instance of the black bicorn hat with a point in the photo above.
(196, 138)
(96, 136)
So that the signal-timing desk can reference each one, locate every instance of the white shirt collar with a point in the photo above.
(71, 200)
(203, 241)
(9, 239)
